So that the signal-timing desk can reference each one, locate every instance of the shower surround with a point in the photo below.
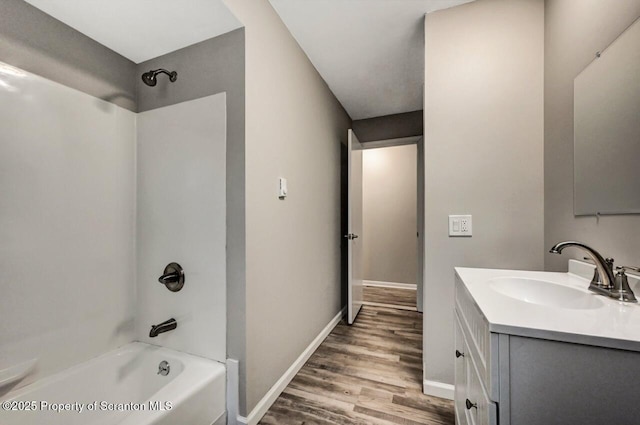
(181, 218)
(68, 224)
(87, 182)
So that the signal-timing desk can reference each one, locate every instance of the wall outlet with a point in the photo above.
(460, 225)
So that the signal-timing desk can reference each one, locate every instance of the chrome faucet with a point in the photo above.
(163, 327)
(603, 282)
(604, 278)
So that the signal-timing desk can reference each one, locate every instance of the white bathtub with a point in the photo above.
(123, 387)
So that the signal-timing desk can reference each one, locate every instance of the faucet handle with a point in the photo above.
(609, 263)
(625, 268)
(621, 289)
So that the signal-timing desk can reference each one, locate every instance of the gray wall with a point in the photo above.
(209, 67)
(295, 127)
(389, 214)
(389, 126)
(213, 66)
(574, 31)
(34, 41)
(483, 148)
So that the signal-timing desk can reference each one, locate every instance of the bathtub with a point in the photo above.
(124, 387)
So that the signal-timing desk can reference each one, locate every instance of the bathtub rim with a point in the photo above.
(196, 374)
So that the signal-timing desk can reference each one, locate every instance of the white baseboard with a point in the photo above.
(270, 397)
(438, 389)
(381, 284)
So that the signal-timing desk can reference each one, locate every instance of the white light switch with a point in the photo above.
(282, 188)
(460, 225)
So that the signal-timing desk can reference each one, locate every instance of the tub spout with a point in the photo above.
(163, 327)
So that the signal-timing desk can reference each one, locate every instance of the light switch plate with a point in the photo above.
(460, 225)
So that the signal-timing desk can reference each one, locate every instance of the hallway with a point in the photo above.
(368, 373)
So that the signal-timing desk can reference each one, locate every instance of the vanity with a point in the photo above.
(539, 348)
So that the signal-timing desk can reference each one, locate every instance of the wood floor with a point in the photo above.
(368, 373)
(385, 297)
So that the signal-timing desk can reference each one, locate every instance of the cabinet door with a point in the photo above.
(481, 410)
(460, 394)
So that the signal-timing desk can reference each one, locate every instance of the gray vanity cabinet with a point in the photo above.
(509, 379)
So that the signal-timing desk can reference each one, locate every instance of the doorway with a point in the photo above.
(391, 236)
(389, 208)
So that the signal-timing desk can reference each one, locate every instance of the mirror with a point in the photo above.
(607, 130)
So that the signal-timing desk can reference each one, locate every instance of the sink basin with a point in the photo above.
(545, 293)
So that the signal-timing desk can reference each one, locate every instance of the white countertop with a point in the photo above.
(613, 324)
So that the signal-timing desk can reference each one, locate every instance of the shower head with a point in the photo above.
(150, 79)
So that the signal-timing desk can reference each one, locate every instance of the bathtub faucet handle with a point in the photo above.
(172, 277)
(169, 278)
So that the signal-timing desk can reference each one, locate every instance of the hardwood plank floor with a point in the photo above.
(382, 297)
(367, 373)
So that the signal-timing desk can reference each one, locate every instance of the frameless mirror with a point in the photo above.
(607, 129)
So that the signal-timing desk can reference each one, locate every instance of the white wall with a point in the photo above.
(483, 150)
(294, 128)
(389, 214)
(67, 181)
(181, 217)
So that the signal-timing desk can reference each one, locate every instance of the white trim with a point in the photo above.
(233, 389)
(270, 397)
(380, 284)
(438, 389)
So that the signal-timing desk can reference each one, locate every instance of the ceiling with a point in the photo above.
(370, 52)
(143, 29)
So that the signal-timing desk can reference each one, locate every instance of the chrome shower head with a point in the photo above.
(150, 78)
